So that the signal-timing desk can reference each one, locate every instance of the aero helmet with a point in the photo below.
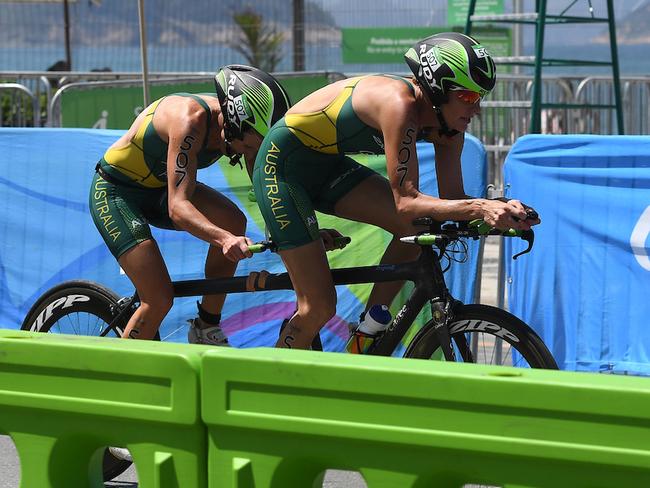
(451, 61)
(250, 99)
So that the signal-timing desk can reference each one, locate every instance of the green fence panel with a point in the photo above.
(63, 399)
(115, 107)
(279, 418)
(298, 87)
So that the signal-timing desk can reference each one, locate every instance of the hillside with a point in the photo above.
(195, 23)
(115, 22)
(633, 29)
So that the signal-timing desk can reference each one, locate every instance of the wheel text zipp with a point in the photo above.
(483, 326)
(47, 312)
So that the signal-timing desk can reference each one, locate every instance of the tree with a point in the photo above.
(258, 42)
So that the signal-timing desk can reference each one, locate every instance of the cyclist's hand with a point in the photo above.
(511, 214)
(235, 248)
(532, 217)
(328, 236)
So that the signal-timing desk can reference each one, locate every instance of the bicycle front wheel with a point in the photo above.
(74, 307)
(485, 335)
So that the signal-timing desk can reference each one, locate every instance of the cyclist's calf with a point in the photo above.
(315, 313)
(155, 304)
(310, 317)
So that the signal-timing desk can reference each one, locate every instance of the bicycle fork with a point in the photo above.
(123, 309)
(441, 317)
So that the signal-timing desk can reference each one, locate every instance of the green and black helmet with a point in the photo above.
(250, 99)
(451, 61)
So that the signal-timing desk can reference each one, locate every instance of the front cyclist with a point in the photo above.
(302, 166)
(149, 177)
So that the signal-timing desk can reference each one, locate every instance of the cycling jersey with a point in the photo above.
(302, 166)
(143, 161)
(130, 190)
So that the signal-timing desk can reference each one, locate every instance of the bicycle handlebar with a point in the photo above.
(441, 234)
(339, 243)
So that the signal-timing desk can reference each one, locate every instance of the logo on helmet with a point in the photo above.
(235, 105)
(480, 52)
(429, 64)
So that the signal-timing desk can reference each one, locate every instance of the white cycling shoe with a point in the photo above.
(211, 336)
(121, 453)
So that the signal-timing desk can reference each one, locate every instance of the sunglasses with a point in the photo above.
(467, 96)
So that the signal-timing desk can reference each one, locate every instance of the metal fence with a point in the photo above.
(505, 116)
(19, 106)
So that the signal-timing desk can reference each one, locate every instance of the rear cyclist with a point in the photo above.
(149, 177)
(302, 166)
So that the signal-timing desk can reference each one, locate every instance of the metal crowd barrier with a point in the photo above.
(50, 85)
(22, 104)
(505, 115)
(54, 112)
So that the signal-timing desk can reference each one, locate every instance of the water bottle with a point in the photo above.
(376, 321)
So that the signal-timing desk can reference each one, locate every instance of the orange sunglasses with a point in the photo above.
(467, 96)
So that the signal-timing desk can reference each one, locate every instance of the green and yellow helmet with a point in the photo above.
(250, 99)
(451, 61)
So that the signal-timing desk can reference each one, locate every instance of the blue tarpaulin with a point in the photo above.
(586, 285)
(47, 236)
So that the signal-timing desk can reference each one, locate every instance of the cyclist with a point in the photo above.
(148, 176)
(303, 166)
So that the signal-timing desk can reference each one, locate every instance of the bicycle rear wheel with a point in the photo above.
(80, 308)
(485, 335)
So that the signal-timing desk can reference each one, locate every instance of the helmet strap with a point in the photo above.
(444, 128)
(234, 158)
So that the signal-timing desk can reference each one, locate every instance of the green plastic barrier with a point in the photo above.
(116, 107)
(279, 418)
(63, 399)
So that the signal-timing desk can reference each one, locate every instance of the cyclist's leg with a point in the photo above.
(285, 177)
(218, 209)
(145, 267)
(118, 215)
(371, 201)
(315, 294)
(221, 211)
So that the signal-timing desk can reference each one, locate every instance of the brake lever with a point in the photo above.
(529, 237)
(484, 228)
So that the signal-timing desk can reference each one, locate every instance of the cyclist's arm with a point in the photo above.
(399, 129)
(186, 133)
(448, 167)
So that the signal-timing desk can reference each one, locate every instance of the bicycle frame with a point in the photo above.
(425, 272)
